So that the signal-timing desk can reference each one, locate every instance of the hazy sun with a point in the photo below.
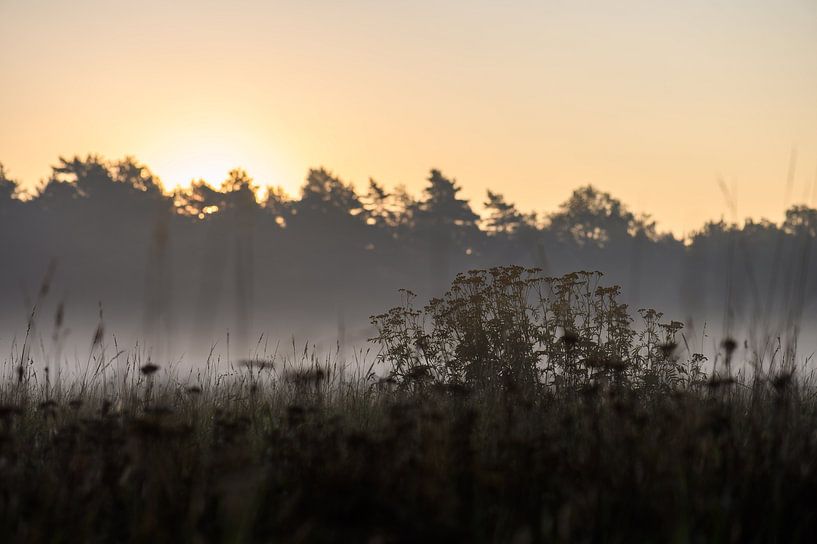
(209, 153)
(208, 162)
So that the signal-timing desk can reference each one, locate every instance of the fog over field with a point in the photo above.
(181, 272)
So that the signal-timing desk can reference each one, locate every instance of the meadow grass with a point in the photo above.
(514, 409)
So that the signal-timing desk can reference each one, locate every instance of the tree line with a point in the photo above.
(200, 252)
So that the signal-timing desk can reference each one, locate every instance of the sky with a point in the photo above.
(654, 101)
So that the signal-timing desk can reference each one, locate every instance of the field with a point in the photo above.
(517, 408)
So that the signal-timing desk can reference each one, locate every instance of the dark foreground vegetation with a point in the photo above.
(517, 408)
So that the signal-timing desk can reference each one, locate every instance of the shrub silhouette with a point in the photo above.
(512, 327)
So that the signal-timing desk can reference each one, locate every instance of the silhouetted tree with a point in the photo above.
(405, 206)
(118, 192)
(441, 208)
(239, 191)
(592, 217)
(503, 217)
(199, 200)
(90, 176)
(130, 172)
(278, 205)
(56, 194)
(801, 220)
(380, 211)
(8, 189)
(325, 195)
(760, 230)
(446, 225)
(236, 194)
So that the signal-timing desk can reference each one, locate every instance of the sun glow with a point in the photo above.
(208, 152)
(209, 164)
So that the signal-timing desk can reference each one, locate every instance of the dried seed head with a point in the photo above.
(149, 369)
(729, 346)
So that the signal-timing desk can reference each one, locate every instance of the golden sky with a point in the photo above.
(653, 101)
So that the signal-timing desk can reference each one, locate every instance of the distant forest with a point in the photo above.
(205, 258)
